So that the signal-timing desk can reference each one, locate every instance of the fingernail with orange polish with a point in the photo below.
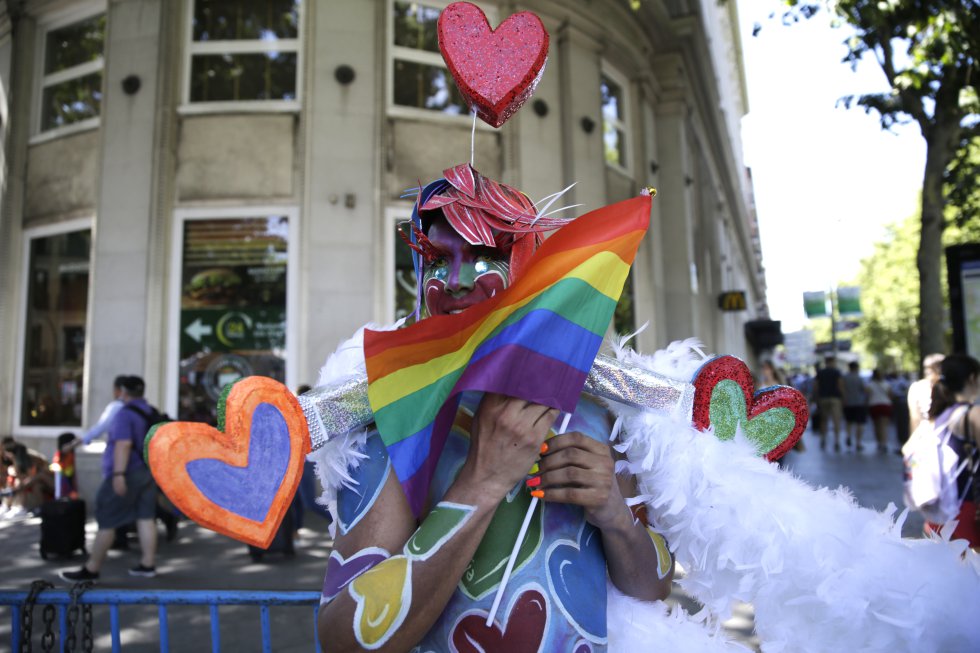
(534, 481)
(544, 447)
(537, 494)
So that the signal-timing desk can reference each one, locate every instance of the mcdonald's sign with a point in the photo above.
(733, 300)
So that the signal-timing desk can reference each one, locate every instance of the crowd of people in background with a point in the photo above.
(844, 401)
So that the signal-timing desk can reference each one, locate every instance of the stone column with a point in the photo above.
(120, 274)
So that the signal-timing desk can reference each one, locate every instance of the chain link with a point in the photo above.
(70, 629)
(27, 614)
(87, 641)
(47, 639)
(71, 641)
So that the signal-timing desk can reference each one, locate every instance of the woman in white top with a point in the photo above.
(880, 407)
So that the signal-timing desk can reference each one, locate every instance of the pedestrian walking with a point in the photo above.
(128, 492)
(900, 408)
(855, 404)
(880, 408)
(829, 392)
(920, 392)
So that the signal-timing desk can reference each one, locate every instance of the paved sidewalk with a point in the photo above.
(201, 559)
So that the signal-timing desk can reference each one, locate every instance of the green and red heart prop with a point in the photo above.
(773, 418)
(238, 479)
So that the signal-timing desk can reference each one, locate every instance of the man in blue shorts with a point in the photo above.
(127, 493)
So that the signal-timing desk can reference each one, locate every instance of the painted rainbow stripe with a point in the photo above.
(536, 340)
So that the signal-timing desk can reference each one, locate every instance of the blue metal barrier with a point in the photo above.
(162, 599)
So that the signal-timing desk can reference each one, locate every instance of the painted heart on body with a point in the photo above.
(341, 571)
(486, 569)
(522, 632)
(238, 479)
(577, 579)
(383, 595)
(773, 419)
(495, 70)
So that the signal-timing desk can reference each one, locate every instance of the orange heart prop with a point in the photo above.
(239, 479)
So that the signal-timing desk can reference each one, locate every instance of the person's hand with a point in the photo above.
(505, 441)
(579, 470)
(119, 485)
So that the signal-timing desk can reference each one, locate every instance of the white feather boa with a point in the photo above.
(822, 573)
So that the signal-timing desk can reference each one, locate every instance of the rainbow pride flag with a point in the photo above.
(536, 340)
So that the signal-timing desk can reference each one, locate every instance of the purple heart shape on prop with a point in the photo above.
(577, 578)
(257, 482)
(238, 479)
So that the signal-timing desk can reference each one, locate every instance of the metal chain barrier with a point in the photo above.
(27, 614)
(47, 639)
(76, 591)
(87, 641)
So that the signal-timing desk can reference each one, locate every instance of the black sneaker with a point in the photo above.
(79, 575)
(145, 572)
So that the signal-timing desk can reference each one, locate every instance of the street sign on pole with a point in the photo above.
(849, 300)
(815, 303)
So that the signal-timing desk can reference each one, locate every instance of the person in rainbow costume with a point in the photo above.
(396, 582)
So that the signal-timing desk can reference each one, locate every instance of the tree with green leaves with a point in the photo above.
(928, 51)
(890, 294)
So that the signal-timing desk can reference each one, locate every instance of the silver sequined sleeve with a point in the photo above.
(334, 410)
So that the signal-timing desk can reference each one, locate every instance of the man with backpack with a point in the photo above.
(128, 492)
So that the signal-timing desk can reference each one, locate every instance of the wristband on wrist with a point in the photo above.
(118, 473)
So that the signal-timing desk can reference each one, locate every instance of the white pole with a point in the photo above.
(518, 542)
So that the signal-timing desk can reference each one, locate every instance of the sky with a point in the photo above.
(826, 180)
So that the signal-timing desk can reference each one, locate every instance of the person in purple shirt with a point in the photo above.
(127, 493)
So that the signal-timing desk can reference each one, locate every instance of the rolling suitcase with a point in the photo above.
(62, 527)
(281, 543)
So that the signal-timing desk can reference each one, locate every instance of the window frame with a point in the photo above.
(252, 46)
(422, 57)
(623, 124)
(29, 235)
(394, 214)
(49, 24)
(190, 214)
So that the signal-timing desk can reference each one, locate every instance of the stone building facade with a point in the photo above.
(199, 189)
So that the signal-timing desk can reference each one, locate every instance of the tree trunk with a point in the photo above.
(932, 313)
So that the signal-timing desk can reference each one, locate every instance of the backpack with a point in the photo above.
(152, 418)
(932, 468)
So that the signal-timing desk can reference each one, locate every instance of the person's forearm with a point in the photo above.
(120, 457)
(424, 574)
(638, 561)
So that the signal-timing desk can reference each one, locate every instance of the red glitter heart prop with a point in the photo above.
(758, 414)
(220, 477)
(495, 70)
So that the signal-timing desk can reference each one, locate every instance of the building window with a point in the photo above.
(615, 122)
(232, 307)
(244, 51)
(400, 295)
(419, 77)
(54, 347)
(71, 85)
(624, 318)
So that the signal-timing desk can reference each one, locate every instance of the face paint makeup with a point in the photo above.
(464, 275)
